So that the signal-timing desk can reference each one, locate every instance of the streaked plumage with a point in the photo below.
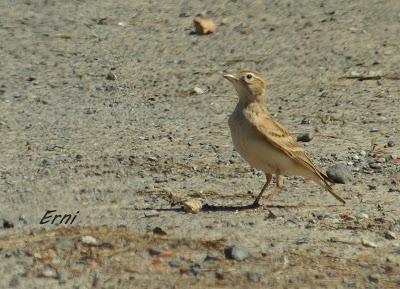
(263, 142)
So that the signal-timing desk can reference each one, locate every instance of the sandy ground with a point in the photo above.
(75, 138)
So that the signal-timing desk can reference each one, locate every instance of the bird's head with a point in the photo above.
(249, 85)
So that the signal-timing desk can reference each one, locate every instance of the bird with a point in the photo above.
(263, 142)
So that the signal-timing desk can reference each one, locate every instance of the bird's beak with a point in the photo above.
(232, 78)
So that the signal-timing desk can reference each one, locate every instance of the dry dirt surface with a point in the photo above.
(98, 115)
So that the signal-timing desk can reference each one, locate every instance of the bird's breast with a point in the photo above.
(248, 143)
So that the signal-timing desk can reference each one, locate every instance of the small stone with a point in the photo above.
(111, 76)
(192, 206)
(89, 240)
(159, 231)
(302, 241)
(375, 166)
(254, 277)
(198, 90)
(49, 273)
(363, 153)
(390, 235)
(155, 251)
(374, 129)
(305, 137)
(151, 213)
(367, 243)
(237, 252)
(339, 173)
(204, 26)
(306, 120)
(7, 224)
(361, 215)
(374, 277)
(390, 143)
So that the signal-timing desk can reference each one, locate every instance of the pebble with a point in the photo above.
(153, 159)
(306, 120)
(368, 243)
(192, 206)
(339, 173)
(302, 241)
(305, 137)
(111, 76)
(198, 90)
(237, 252)
(382, 160)
(361, 215)
(155, 251)
(374, 130)
(49, 273)
(390, 235)
(7, 224)
(363, 153)
(204, 26)
(159, 231)
(390, 143)
(89, 240)
(375, 166)
(374, 277)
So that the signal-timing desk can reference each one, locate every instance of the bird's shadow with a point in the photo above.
(213, 208)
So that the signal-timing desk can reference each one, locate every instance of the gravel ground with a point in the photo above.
(98, 115)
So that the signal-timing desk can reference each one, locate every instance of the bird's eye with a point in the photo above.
(249, 76)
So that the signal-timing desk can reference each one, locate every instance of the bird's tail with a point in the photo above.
(326, 182)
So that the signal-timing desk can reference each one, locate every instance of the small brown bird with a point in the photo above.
(264, 143)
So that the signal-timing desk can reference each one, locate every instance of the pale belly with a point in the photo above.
(259, 153)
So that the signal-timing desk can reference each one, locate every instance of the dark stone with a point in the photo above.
(340, 174)
(237, 252)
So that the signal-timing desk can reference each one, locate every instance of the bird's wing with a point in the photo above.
(276, 135)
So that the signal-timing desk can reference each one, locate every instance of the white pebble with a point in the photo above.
(361, 215)
(89, 240)
(367, 243)
(198, 90)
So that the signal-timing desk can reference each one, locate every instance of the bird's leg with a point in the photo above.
(257, 200)
(279, 186)
(279, 181)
